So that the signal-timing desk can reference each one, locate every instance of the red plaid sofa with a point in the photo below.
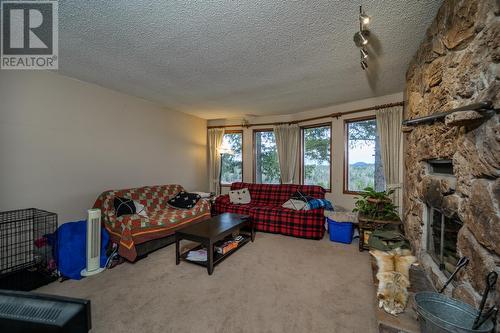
(131, 230)
(266, 212)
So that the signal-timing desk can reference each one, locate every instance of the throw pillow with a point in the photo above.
(320, 203)
(123, 206)
(184, 200)
(296, 204)
(298, 195)
(140, 209)
(240, 197)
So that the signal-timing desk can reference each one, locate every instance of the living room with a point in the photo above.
(138, 138)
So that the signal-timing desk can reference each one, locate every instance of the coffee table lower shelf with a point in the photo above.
(217, 256)
(207, 233)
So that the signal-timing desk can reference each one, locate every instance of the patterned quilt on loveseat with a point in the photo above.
(131, 230)
(268, 215)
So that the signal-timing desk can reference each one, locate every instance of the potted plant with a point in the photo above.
(375, 210)
(376, 205)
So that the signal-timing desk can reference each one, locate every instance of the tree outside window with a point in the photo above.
(363, 161)
(267, 170)
(316, 159)
(232, 164)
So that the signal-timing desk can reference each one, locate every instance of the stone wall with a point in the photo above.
(458, 64)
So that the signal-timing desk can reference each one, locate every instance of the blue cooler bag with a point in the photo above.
(340, 232)
(71, 248)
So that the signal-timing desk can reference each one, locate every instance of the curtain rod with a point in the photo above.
(332, 115)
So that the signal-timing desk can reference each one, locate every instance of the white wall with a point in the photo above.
(63, 142)
(336, 196)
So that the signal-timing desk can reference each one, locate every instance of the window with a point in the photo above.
(232, 162)
(362, 164)
(316, 155)
(266, 167)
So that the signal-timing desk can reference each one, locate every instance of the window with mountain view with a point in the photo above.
(316, 157)
(232, 163)
(363, 165)
(267, 170)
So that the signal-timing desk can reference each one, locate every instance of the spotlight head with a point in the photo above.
(364, 19)
(364, 65)
(360, 38)
(364, 53)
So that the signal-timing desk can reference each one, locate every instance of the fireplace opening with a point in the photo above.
(442, 235)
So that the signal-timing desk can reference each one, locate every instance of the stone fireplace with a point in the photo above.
(452, 166)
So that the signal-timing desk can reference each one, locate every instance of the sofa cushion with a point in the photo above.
(264, 193)
(295, 204)
(240, 196)
(152, 197)
(140, 209)
(298, 195)
(173, 216)
(302, 223)
(320, 203)
(184, 200)
(123, 206)
(235, 208)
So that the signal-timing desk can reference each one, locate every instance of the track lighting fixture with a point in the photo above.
(364, 53)
(363, 18)
(361, 37)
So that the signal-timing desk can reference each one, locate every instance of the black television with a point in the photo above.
(22, 312)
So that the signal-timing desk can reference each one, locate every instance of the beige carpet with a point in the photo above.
(276, 284)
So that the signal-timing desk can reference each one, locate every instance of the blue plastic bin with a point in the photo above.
(340, 232)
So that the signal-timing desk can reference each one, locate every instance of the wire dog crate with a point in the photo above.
(27, 249)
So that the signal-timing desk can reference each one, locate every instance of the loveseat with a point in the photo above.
(266, 211)
(137, 235)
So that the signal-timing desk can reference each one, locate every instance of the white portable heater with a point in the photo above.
(93, 243)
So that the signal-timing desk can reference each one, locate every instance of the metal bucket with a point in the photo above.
(441, 314)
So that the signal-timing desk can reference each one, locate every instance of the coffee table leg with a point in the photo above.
(210, 254)
(177, 249)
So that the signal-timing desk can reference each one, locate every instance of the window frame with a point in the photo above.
(221, 184)
(345, 189)
(302, 164)
(254, 151)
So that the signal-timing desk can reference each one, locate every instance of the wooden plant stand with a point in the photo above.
(367, 226)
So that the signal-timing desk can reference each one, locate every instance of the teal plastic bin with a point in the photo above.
(340, 232)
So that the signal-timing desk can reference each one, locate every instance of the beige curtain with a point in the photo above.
(215, 136)
(389, 132)
(287, 142)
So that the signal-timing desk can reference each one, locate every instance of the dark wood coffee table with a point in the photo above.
(210, 231)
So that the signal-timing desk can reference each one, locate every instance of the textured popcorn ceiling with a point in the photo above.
(219, 59)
